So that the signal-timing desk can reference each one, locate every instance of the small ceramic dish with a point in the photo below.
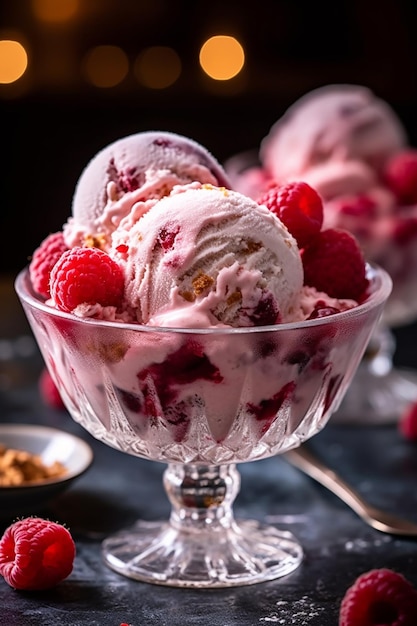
(51, 445)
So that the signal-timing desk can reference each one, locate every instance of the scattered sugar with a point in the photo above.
(296, 613)
(361, 545)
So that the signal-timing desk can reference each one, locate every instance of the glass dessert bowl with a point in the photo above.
(202, 401)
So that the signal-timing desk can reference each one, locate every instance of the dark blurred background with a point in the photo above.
(53, 119)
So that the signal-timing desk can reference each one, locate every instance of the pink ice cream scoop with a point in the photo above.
(207, 256)
(128, 176)
(332, 124)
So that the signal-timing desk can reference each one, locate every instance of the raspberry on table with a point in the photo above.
(86, 276)
(334, 263)
(408, 422)
(43, 260)
(400, 174)
(379, 597)
(298, 206)
(49, 391)
(36, 554)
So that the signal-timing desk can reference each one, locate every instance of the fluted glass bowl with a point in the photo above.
(202, 401)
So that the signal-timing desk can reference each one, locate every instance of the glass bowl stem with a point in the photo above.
(202, 545)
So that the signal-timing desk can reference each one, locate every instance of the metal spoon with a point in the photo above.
(305, 461)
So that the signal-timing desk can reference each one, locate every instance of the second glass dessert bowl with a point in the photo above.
(381, 391)
(202, 401)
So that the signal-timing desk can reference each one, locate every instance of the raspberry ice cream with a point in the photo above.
(205, 256)
(124, 179)
(202, 258)
(330, 125)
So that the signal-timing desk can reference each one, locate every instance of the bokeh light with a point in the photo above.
(55, 10)
(106, 66)
(157, 67)
(13, 61)
(222, 57)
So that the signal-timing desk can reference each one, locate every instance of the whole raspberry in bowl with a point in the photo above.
(298, 206)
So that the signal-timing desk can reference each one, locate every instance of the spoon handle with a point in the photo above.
(386, 522)
(304, 460)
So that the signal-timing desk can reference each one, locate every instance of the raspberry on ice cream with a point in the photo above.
(43, 260)
(333, 262)
(298, 206)
(86, 276)
(400, 174)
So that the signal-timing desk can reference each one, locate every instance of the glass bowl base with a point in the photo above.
(245, 553)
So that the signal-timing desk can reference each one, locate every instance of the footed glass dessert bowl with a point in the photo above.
(202, 401)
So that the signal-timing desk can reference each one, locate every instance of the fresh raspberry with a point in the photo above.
(49, 391)
(36, 553)
(408, 422)
(298, 206)
(400, 174)
(86, 275)
(333, 262)
(43, 260)
(380, 596)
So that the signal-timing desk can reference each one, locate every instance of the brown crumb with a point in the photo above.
(187, 295)
(95, 241)
(19, 467)
(234, 297)
(201, 283)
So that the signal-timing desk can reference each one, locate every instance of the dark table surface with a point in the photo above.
(118, 489)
